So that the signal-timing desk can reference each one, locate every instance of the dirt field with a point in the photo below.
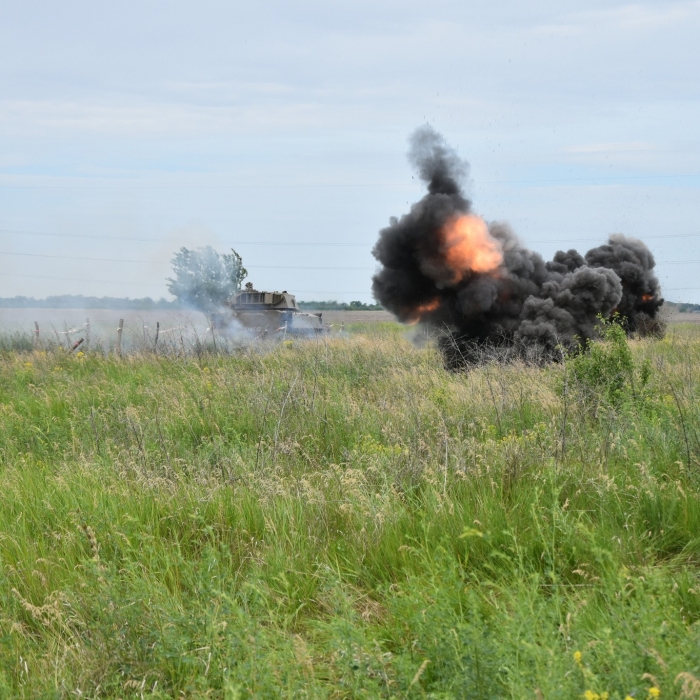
(69, 325)
(54, 323)
(49, 319)
(57, 323)
(684, 318)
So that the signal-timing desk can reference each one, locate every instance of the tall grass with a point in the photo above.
(344, 519)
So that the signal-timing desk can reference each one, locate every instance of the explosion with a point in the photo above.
(468, 246)
(444, 266)
(413, 316)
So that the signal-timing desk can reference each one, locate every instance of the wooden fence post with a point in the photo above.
(87, 333)
(36, 334)
(155, 342)
(119, 337)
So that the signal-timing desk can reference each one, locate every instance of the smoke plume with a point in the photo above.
(444, 266)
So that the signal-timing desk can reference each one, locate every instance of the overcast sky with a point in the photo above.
(279, 128)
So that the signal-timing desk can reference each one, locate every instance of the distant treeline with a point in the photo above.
(338, 306)
(683, 308)
(78, 301)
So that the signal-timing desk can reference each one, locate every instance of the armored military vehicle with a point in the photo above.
(272, 314)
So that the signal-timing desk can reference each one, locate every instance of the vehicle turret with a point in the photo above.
(272, 313)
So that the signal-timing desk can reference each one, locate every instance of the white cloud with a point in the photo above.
(179, 105)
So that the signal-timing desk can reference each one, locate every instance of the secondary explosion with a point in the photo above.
(444, 266)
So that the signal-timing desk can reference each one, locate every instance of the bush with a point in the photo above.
(607, 369)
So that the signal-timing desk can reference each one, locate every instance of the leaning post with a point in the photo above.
(119, 337)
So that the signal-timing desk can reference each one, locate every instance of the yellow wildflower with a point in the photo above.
(590, 695)
(28, 365)
(654, 692)
(578, 656)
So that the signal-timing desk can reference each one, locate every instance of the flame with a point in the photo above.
(647, 297)
(467, 246)
(416, 314)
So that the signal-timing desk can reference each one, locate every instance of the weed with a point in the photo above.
(607, 369)
(343, 518)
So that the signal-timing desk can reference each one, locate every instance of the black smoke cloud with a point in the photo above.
(528, 305)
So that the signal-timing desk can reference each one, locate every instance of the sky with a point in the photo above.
(280, 129)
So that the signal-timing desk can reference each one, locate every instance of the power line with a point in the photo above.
(161, 240)
(258, 267)
(74, 257)
(316, 185)
(604, 178)
(65, 279)
(126, 284)
(155, 262)
(231, 186)
(297, 291)
(643, 238)
(297, 243)
(305, 291)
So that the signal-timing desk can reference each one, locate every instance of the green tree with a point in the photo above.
(204, 279)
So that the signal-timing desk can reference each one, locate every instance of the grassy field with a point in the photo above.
(344, 519)
(179, 331)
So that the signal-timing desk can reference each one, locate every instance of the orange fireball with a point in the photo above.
(468, 246)
(416, 314)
